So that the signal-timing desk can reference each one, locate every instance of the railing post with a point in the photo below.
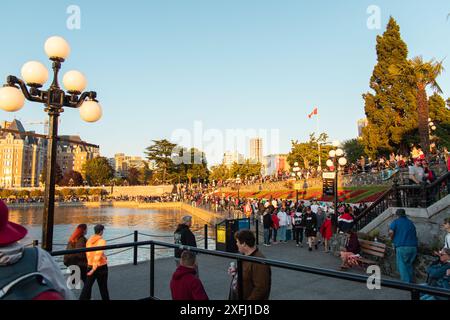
(415, 295)
(257, 231)
(152, 271)
(135, 251)
(206, 237)
(240, 280)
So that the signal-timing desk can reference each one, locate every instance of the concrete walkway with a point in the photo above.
(128, 282)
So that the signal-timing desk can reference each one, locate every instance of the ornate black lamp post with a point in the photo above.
(238, 182)
(35, 75)
(296, 174)
(336, 159)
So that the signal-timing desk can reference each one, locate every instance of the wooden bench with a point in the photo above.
(371, 249)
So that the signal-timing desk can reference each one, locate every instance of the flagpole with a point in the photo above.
(318, 142)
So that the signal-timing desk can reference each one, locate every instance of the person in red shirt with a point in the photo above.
(327, 232)
(185, 285)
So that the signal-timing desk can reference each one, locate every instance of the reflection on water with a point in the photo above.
(118, 222)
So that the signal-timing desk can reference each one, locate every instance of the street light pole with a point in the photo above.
(336, 159)
(35, 75)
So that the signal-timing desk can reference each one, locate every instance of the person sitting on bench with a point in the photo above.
(351, 254)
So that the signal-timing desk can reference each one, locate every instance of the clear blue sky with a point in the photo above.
(160, 65)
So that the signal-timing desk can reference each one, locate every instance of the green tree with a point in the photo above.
(189, 164)
(161, 152)
(219, 173)
(391, 110)
(145, 174)
(245, 170)
(133, 176)
(98, 171)
(420, 74)
(440, 115)
(354, 149)
(307, 153)
(72, 179)
(43, 175)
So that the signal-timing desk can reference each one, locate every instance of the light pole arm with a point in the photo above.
(72, 101)
(38, 96)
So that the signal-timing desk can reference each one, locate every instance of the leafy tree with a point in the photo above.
(219, 173)
(440, 115)
(145, 175)
(67, 193)
(43, 175)
(307, 153)
(98, 171)
(391, 110)
(245, 170)
(36, 193)
(161, 153)
(354, 150)
(72, 179)
(189, 164)
(23, 194)
(421, 75)
(133, 176)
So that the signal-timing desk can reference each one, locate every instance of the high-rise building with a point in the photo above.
(231, 157)
(362, 124)
(21, 157)
(256, 150)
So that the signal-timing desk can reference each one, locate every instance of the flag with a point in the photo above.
(314, 113)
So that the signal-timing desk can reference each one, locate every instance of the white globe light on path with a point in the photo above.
(34, 73)
(330, 163)
(90, 111)
(57, 47)
(11, 99)
(339, 153)
(343, 162)
(433, 128)
(74, 81)
(332, 154)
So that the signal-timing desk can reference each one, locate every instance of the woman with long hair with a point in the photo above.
(78, 241)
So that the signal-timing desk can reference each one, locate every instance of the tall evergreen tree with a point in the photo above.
(391, 110)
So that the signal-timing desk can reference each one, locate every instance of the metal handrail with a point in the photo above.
(414, 289)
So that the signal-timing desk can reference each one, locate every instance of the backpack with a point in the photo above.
(22, 281)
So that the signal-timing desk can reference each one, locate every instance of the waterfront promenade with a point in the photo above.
(129, 282)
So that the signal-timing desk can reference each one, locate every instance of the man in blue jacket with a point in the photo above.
(404, 235)
(439, 274)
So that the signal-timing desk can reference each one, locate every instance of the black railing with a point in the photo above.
(405, 196)
(414, 289)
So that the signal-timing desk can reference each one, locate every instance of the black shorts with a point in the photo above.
(310, 233)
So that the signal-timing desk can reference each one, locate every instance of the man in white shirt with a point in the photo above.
(416, 173)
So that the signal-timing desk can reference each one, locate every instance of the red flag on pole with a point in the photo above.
(314, 113)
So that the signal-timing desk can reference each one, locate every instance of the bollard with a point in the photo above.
(135, 251)
(257, 232)
(35, 243)
(152, 271)
(206, 237)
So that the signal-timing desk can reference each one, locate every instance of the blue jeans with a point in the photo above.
(267, 236)
(282, 232)
(405, 260)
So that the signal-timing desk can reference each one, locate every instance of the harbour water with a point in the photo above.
(119, 224)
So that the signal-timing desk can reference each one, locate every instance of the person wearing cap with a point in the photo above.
(183, 236)
(404, 235)
(33, 271)
(438, 274)
(97, 266)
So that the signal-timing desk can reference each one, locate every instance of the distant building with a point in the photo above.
(231, 157)
(256, 150)
(72, 154)
(275, 163)
(123, 163)
(21, 157)
(362, 124)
